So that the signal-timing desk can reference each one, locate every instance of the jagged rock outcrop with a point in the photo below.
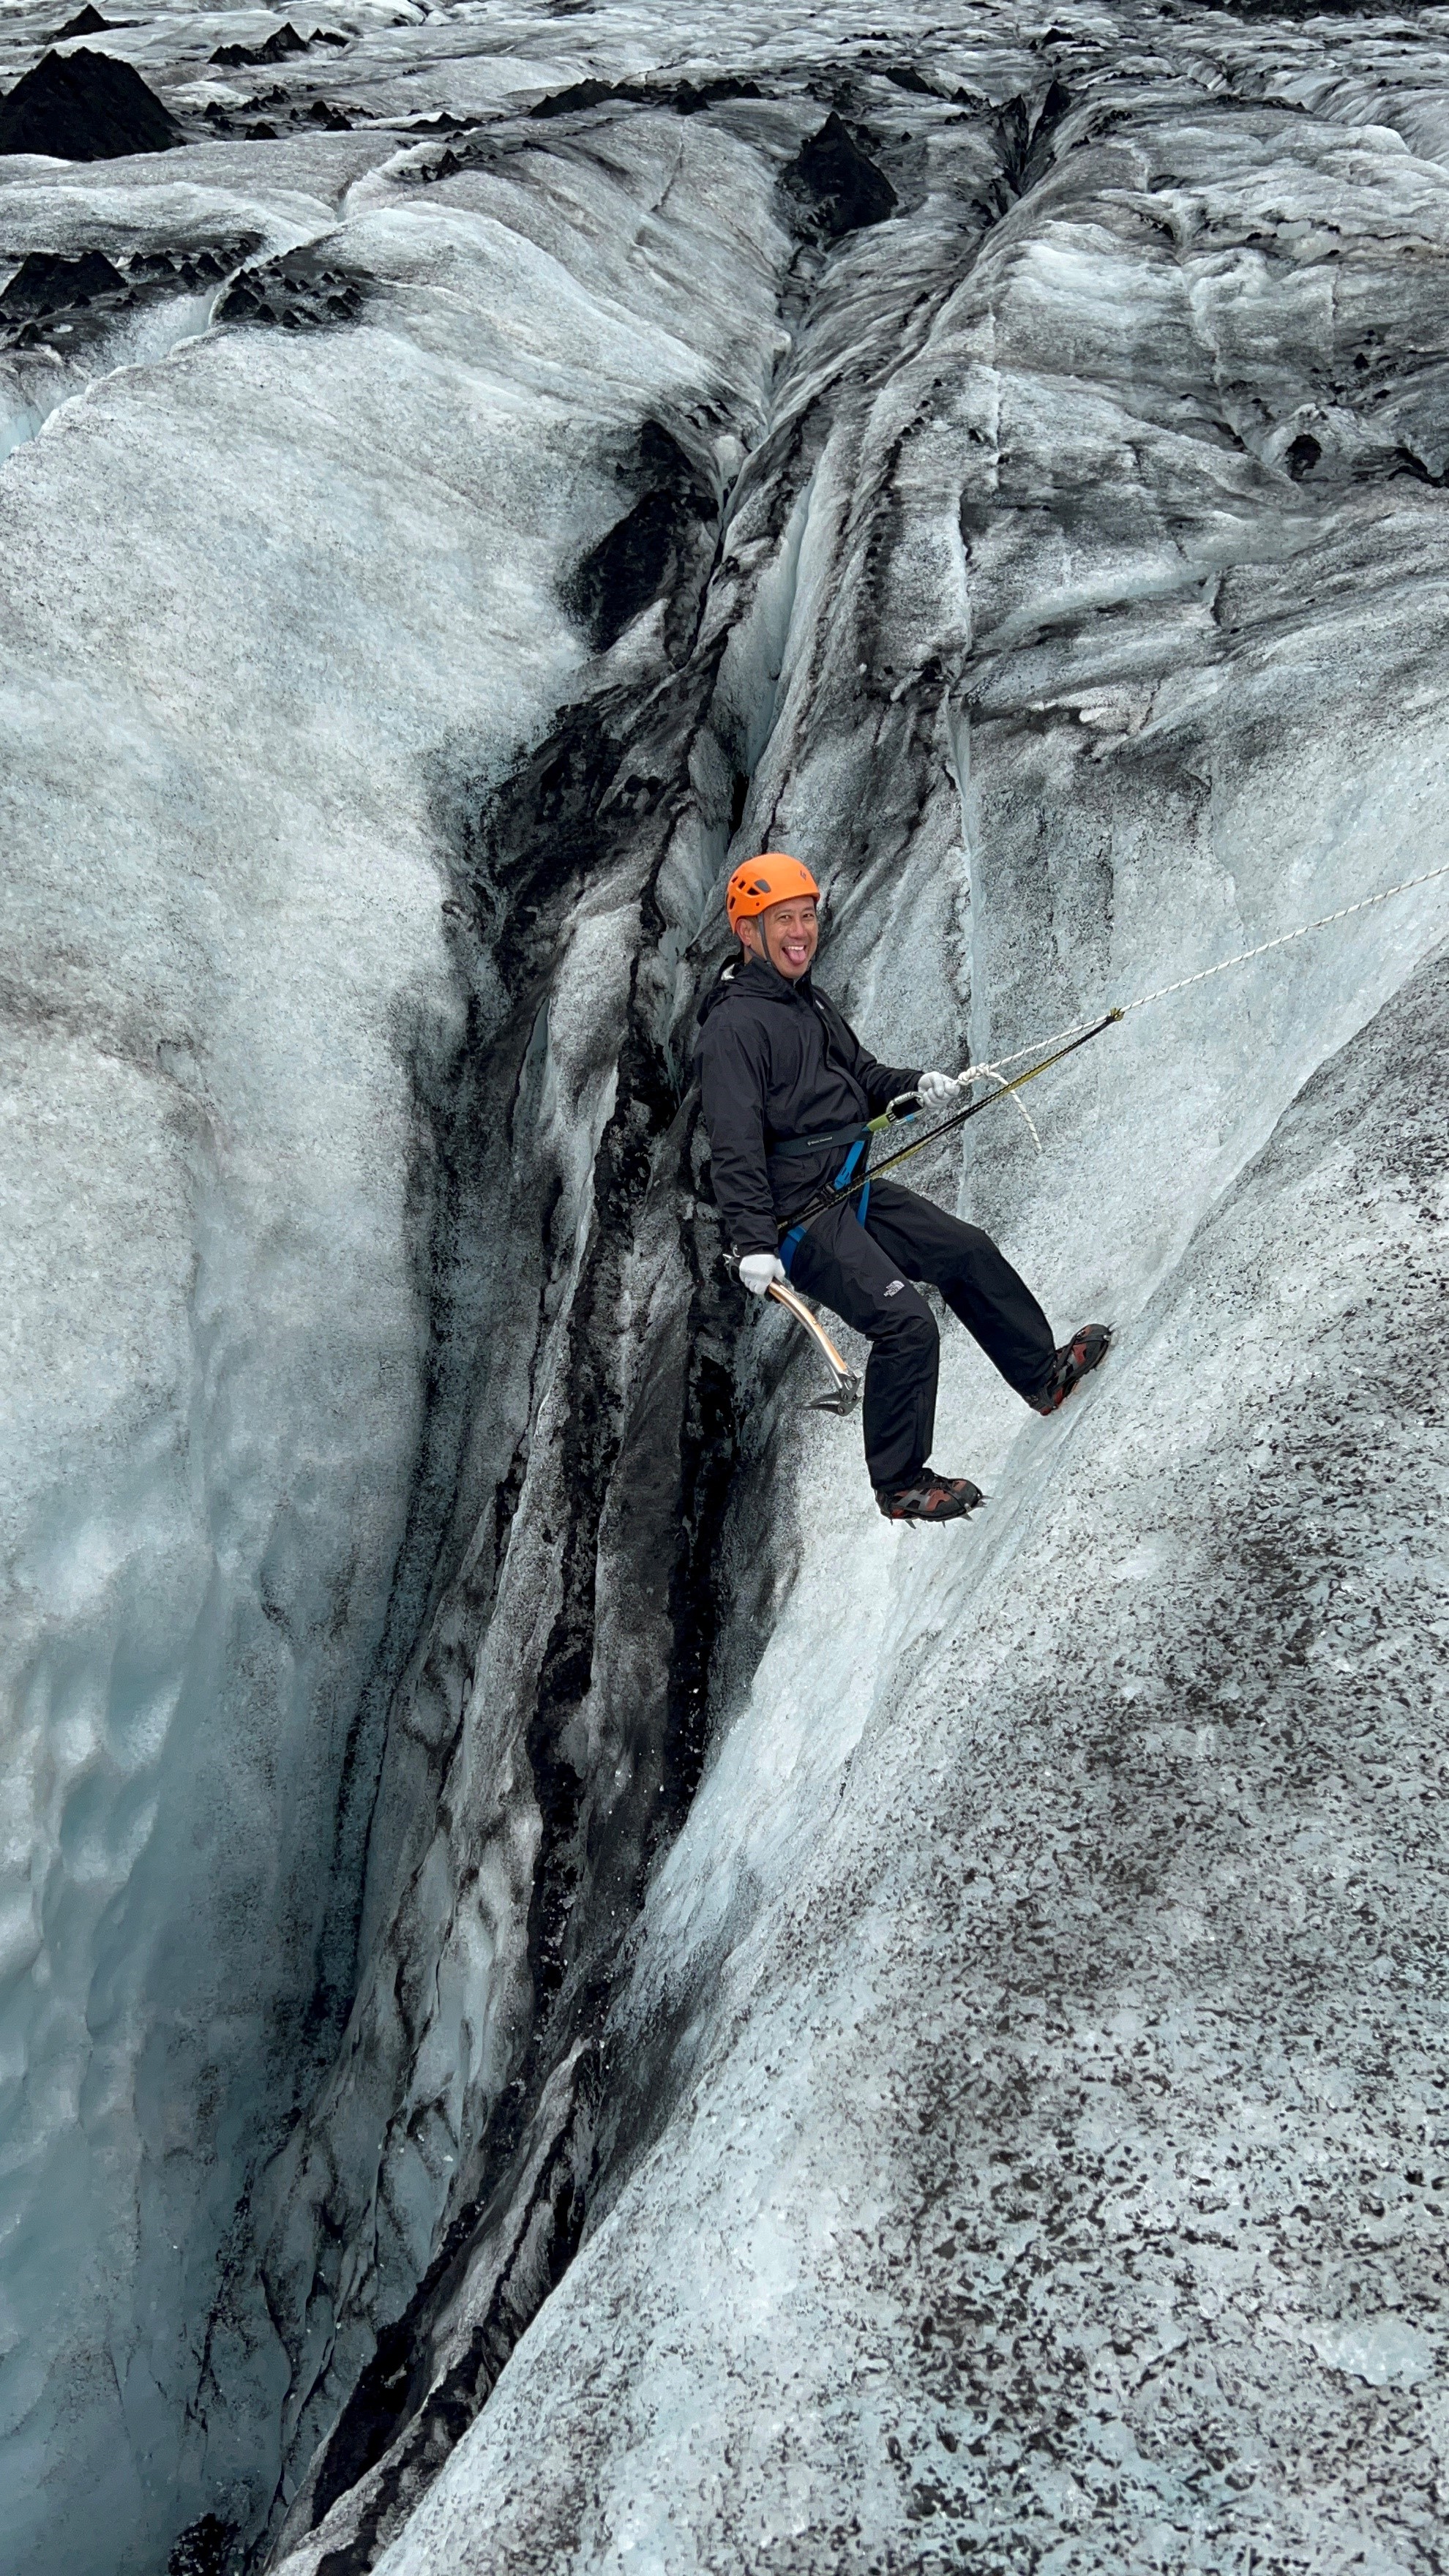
(85, 107)
(836, 184)
(276, 48)
(44, 283)
(86, 22)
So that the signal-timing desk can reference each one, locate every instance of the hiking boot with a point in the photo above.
(1086, 1349)
(930, 1498)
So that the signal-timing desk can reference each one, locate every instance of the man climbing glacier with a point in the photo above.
(787, 1088)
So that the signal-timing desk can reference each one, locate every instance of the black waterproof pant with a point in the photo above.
(863, 1270)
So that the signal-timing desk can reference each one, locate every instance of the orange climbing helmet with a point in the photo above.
(771, 878)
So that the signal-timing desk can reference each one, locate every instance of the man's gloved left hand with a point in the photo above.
(935, 1089)
(759, 1271)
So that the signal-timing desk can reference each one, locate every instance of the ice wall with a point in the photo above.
(994, 2112)
(249, 1301)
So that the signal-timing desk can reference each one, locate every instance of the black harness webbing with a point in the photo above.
(828, 1140)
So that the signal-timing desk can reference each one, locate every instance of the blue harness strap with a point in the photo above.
(845, 1174)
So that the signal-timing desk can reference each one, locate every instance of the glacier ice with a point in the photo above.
(570, 1998)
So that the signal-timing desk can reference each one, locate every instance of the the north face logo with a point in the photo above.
(895, 1284)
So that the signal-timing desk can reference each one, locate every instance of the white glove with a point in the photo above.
(937, 1088)
(759, 1270)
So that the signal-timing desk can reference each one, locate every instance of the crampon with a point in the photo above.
(1086, 1350)
(929, 1498)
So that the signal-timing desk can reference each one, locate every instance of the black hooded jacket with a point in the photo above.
(777, 1060)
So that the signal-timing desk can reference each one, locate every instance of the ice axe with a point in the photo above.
(844, 1393)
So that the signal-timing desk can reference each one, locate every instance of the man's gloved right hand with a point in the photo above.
(759, 1271)
(935, 1089)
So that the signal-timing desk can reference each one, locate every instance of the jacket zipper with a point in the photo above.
(841, 1068)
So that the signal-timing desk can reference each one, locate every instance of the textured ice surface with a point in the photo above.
(1012, 2130)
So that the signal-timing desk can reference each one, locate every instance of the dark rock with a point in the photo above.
(202, 2549)
(1303, 455)
(261, 132)
(686, 98)
(648, 552)
(584, 93)
(321, 113)
(85, 107)
(328, 36)
(204, 267)
(299, 290)
(835, 185)
(276, 49)
(86, 22)
(46, 283)
(53, 301)
(1024, 133)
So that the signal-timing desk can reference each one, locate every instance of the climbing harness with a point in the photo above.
(843, 1187)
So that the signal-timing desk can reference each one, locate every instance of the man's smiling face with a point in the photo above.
(787, 934)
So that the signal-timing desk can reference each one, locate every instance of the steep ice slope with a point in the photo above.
(1058, 564)
(875, 572)
(1037, 2033)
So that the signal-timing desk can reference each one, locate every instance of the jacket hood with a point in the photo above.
(755, 976)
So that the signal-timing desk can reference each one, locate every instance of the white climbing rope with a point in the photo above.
(1066, 1041)
(989, 1073)
(994, 1071)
